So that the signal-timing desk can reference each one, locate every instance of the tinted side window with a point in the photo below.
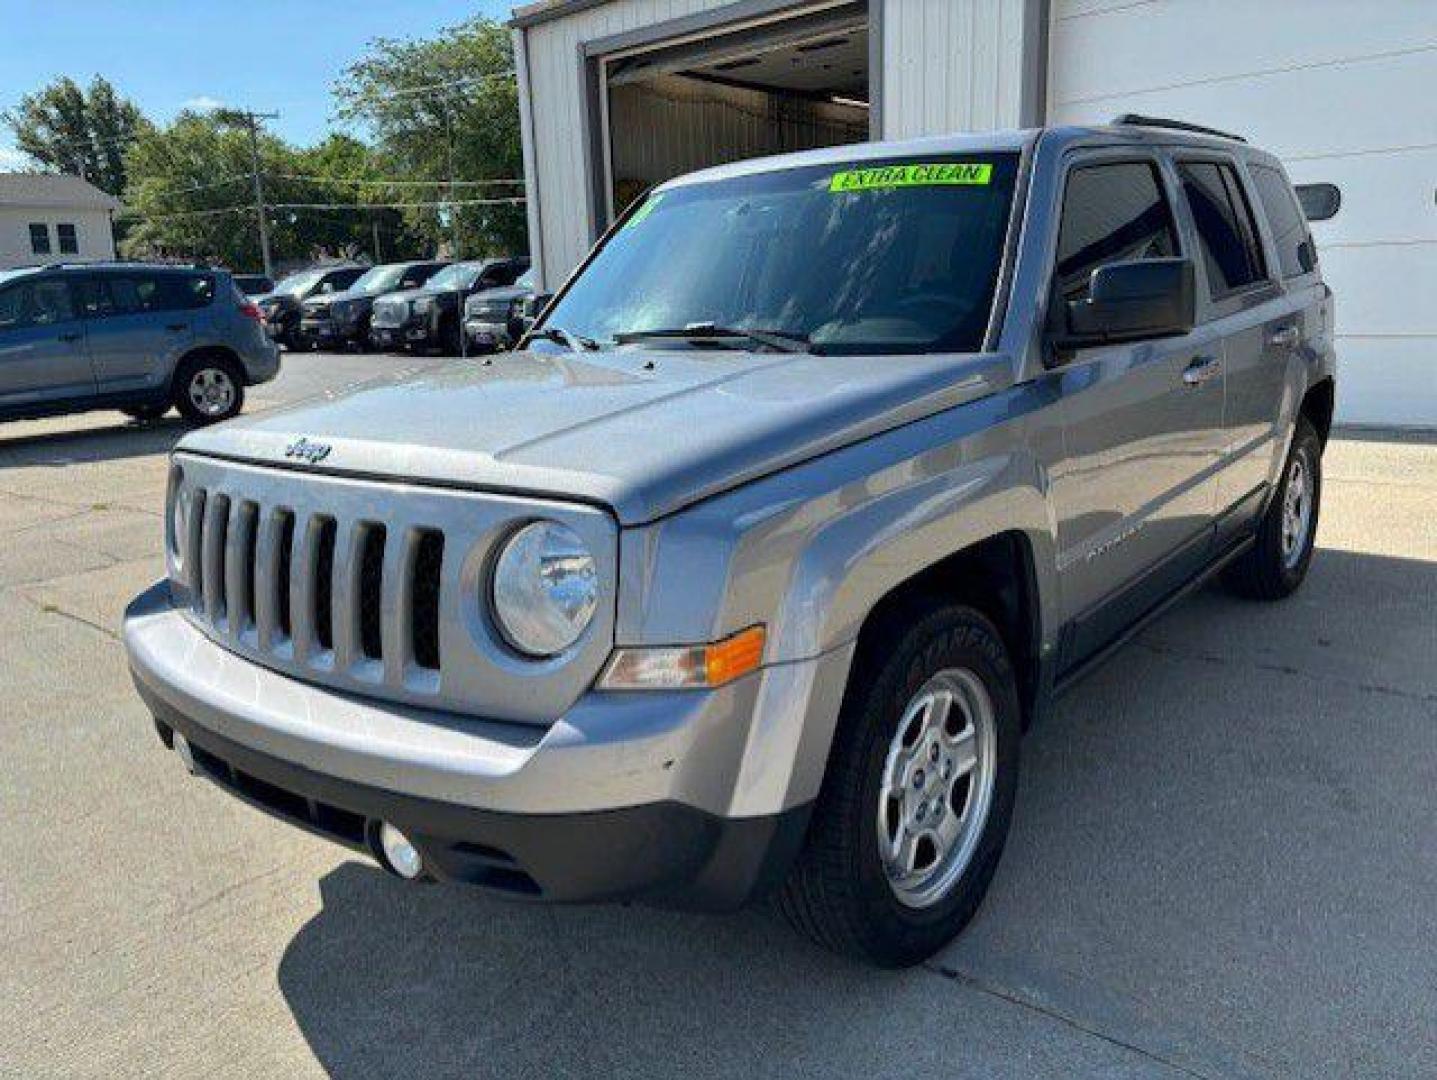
(1111, 213)
(1225, 227)
(1284, 216)
(36, 303)
(12, 306)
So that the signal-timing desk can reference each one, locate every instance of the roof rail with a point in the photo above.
(1138, 120)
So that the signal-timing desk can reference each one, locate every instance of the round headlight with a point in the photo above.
(546, 588)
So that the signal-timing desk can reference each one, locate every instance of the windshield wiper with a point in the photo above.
(780, 340)
(576, 342)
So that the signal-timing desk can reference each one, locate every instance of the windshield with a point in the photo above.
(379, 279)
(886, 257)
(457, 276)
(298, 283)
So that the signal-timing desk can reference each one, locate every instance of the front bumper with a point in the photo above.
(625, 796)
(488, 333)
(330, 331)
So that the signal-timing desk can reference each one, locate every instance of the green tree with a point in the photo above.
(191, 195)
(440, 109)
(85, 132)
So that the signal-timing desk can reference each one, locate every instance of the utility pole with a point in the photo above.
(251, 121)
(453, 208)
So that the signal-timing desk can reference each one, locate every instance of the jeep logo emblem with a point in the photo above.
(312, 453)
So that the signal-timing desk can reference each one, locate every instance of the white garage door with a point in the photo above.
(1343, 92)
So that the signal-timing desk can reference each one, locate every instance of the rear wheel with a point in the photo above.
(1277, 562)
(918, 795)
(208, 389)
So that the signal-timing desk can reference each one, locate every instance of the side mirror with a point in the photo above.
(1131, 301)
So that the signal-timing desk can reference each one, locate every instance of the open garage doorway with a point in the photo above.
(787, 83)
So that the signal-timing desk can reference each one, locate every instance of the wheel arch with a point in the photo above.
(208, 352)
(996, 575)
(1318, 406)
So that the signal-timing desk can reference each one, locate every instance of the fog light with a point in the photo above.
(182, 748)
(402, 856)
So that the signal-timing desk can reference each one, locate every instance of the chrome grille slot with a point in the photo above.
(212, 558)
(373, 588)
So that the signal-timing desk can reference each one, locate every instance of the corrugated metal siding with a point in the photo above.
(951, 65)
(556, 95)
(1344, 97)
(673, 126)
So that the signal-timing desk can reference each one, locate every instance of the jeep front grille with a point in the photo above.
(312, 587)
(372, 587)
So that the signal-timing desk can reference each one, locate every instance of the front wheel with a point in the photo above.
(918, 795)
(1277, 562)
(208, 389)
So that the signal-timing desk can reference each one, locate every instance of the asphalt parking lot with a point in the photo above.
(1224, 861)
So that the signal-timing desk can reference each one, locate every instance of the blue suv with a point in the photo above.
(133, 337)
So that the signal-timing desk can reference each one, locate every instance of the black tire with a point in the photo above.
(214, 369)
(838, 892)
(147, 414)
(1274, 567)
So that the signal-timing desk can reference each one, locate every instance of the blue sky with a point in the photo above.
(166, 54)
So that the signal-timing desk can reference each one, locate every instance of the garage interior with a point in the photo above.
(791, 84)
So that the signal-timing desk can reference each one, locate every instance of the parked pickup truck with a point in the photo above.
(810, 491)
(430, 317)
(341, 319)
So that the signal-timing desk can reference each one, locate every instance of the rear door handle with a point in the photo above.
(1286, 338)
(73, 335)
(1201, 370)
(177, 327)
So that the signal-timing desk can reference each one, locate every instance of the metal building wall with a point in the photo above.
(552, 91)
(1345, 97)
(961, 65)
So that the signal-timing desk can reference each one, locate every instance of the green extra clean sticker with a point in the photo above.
(931, 174)
(644, 211)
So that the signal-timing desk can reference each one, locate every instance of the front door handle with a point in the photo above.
(1286, 338)
(177, 327)
(1201, 370)
(70, 336)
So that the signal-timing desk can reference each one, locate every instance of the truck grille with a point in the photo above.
(371, 587)
(390, 312)
(307, 589)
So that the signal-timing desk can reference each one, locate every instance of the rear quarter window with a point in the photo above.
(1295, 253)
(1227, 232)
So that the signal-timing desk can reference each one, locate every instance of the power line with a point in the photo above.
(514, 201)
(392, 183)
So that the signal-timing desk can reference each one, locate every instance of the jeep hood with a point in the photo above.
(643, 433)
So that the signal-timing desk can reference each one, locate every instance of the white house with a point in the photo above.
(617, 95)
(52, 217)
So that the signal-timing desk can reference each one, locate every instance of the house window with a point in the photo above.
(69, 244)
(39, 238)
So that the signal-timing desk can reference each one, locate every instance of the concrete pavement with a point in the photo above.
(1223, 862)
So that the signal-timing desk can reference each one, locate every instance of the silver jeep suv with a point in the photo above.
(130, 336)
(813, 488)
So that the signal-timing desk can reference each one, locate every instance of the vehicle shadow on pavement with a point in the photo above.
(113, 442)
(1221, 864)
